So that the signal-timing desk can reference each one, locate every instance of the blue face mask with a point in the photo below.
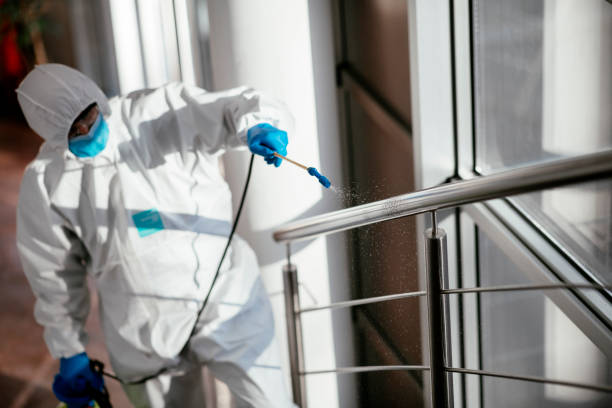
(93, 142)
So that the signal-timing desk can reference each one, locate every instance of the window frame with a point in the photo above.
(466, 132)
(532, 245)
(465, 111)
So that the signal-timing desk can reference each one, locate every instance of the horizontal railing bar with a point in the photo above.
(509, 288)
(367, 369)
(594, 387)
(365, 301)
(516, 181)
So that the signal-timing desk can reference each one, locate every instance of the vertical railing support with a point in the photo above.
(294, 331)
(436, 264)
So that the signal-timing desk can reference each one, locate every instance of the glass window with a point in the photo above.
(525, 333)
(580, 219)
(542, 80)
(543, 90)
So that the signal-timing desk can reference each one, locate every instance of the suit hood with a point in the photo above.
(52, 96)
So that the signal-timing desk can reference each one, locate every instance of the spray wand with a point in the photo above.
(311, 170)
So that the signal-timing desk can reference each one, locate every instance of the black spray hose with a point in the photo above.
(100, 396)
(229, 241)
(100, 366)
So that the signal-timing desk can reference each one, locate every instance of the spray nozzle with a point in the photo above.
(322, 179)
(311, 170)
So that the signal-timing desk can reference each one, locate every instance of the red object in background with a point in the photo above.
(13, 67)
(12, 59)
(11, 56)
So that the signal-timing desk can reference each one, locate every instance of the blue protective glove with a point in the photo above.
(264, 139)
(75, 381)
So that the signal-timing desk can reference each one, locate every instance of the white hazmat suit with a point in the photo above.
(148, 219)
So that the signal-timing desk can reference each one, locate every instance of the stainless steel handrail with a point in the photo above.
(367, 369)
(529, 378)
(364, 301)
(455, 291)
(516, 181)
(525, 287)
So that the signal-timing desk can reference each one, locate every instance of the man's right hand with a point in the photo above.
(76, 380)
(264, 139)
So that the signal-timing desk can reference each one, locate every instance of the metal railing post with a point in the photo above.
(436, 264)
(294, 332)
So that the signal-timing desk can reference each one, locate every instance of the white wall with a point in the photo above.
(285, 48)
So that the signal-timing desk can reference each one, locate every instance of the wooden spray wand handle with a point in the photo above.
(291, 161)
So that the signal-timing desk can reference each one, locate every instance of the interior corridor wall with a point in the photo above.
(286, 50)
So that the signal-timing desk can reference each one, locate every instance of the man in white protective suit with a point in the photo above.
(128, 191)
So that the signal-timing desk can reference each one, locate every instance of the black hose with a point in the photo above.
(212, 285)
(229, 241)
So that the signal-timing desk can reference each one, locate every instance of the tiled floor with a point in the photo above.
(26, 368)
